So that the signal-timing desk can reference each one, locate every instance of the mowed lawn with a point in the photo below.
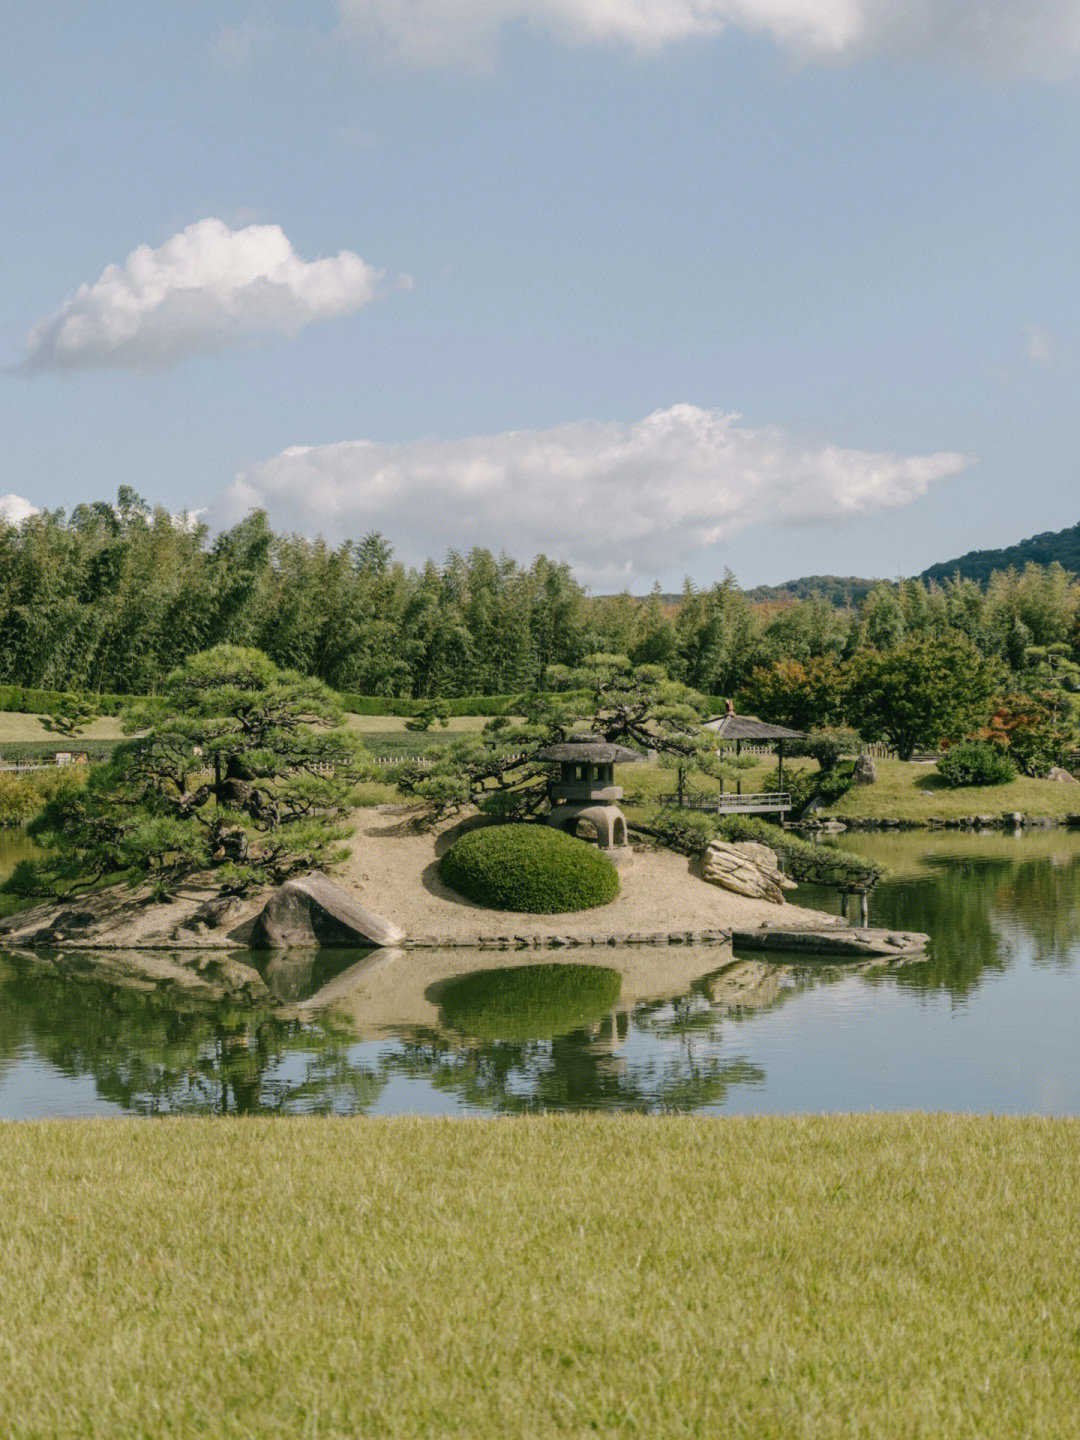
(807, 1277)
(907, 790)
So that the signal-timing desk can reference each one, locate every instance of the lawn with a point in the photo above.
(16, 726)
(790, 1277)
(910, 791)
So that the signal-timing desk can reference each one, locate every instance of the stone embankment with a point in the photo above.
(1007, 820)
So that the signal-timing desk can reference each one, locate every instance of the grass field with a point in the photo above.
(894, 1276)
(910, 791)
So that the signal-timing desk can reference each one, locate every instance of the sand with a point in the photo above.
(393, 872)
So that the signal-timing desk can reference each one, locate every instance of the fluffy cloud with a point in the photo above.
(207, 288)
(619, 502)
(1040, 37)
(14, 509)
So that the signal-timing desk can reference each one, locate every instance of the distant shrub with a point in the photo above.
(827, 745)
(687, 831)
(23, 795)
(529, 1002)
(529, 868)
(805, 860)
(974, 762)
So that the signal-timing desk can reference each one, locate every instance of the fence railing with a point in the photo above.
(731, 802)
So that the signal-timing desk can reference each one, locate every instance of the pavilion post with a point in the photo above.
(780, 763)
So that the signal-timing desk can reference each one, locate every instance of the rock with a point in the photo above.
(313, 911)
(746, 868)
(865, 771)
(748, 984)
(1061, 776)
(840, 941)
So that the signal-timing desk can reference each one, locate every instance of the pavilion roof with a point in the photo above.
(745, 727)
(588, 750)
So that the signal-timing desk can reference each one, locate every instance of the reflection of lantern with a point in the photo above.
(585, 791)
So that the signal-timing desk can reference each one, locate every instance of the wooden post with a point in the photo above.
(680, 785)
(738, 778)
(780, 763)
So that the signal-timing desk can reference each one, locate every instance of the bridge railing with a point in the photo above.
(764, 801)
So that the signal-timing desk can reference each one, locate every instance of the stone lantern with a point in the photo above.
(585, 789)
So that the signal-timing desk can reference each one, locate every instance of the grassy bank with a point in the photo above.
(855, 1277)
(908, 791)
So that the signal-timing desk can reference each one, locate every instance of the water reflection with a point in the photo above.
(980, 897)
(988, 1023)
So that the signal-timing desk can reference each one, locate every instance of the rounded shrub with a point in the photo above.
(974, 762)
(530, 868)
(529, 1002)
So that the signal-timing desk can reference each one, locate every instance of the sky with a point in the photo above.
(660, 288)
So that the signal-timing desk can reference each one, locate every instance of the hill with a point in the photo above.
(1062, 546)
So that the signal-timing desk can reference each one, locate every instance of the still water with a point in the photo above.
(991, 1023)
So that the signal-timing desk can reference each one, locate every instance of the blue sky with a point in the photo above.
(655, 286)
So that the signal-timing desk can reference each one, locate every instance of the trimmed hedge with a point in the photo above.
(25, 700)
(529, 1002)
(529, 868)
(42, 752)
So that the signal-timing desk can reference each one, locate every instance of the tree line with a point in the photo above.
(111, 597)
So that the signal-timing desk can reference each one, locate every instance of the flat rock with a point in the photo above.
(311, 911)
(854, 941)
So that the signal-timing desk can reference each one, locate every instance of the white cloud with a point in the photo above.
(1042, 346)
(616, 501)
(1037, 37)
(14, 509)
(207, 288)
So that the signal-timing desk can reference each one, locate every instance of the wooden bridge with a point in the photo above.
(768, 802)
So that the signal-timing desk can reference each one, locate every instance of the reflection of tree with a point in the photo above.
(1041, 900)
(951, 905)
(576, 1071)
(150, 1055)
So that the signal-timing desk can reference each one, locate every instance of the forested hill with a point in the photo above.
(836, 589)
(1060, 546)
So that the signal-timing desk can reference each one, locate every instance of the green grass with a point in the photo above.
(17, 726)
(857, 1277)
(908, 791)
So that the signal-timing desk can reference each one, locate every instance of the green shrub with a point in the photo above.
(974, 762)
(23, 794)
(805, 860)
(687, 831)
(529, 1002)
(530, 868)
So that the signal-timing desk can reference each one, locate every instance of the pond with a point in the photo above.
(989, 1023)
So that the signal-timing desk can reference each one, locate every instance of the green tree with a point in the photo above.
(923, 691)
(802, 694)
(497, 769)
(242, 768)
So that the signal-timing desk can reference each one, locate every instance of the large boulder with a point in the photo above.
(1063, 777)
(865, 771)
(312, 912)
(746, 868)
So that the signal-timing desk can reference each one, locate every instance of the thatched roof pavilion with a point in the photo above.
(746, 727)
(732, 728)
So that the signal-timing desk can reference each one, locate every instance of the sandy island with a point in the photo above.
(392, 871)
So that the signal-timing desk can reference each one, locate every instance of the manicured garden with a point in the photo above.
(867, 1277)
